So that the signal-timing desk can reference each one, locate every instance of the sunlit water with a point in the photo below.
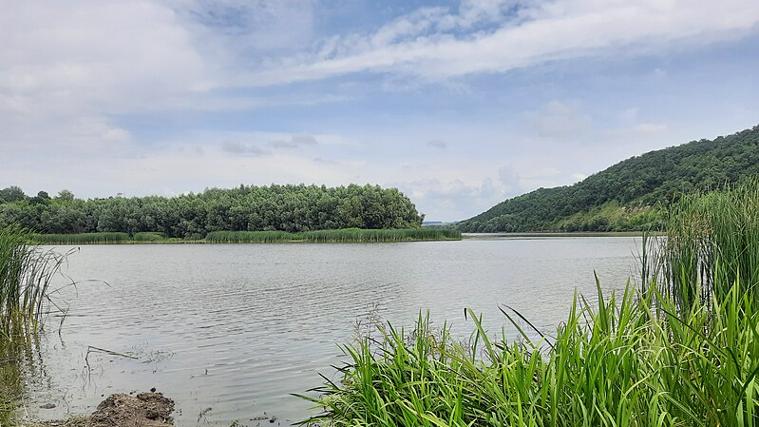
(237, 328)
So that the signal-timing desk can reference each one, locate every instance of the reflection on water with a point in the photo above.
(20, 364)
(237, 328)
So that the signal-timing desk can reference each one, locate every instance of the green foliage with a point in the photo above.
(611, 216)
(12, 194)
(11, 379)
(617, 364)
(25, 276)
(26, 273)
(636, 187)
(712, 243)
(682, 351)
(147, 236)
(346, 235)
(292, 208)
(80, 238)
(65, 195)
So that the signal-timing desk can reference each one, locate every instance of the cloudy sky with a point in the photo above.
(460, 104)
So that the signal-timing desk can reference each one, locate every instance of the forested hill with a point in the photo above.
(277, 207)
(626, 195)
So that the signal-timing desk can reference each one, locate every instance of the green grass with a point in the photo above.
(679, 349)
(81, 238)
(348, 235)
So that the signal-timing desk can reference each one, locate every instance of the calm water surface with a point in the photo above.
(237, 328)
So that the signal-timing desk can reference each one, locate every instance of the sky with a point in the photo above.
(459, 104)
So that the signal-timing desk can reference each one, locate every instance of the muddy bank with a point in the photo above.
(123, 410)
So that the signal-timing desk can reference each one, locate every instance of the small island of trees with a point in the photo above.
(285, 208)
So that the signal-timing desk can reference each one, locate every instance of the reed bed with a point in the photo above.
(19, 360)
(681, 348)
(148, 236)
(81, 238)
(713, 243)
(25, 276)
(347, 235)
(11, 382)
(26, 273)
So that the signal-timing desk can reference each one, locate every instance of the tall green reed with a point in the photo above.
(347, 235)
(89, 238)
(712, 243)
(681, 350)
(26, 273)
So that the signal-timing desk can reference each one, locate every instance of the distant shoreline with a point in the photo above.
(321, 236)
(548, 234)
(347, 235)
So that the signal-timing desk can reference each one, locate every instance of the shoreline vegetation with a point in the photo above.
(633, 194)
(26, 274)
(317, 236)
(550, 234)
(290, 208)
(347, 235)
(678, 347)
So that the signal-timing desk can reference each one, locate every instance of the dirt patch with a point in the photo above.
(123, 410)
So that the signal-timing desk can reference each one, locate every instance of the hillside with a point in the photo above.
(626, 195)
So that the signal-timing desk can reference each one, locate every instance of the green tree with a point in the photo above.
(12, 194)
(65, 195)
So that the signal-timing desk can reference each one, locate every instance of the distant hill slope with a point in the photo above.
(625, 196)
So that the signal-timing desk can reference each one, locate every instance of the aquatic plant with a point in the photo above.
(617, 364)
(680, 350)
(26, 273)
(713, 243)
(346, 235)
(80, 238)
(11, 381)
(147, 236)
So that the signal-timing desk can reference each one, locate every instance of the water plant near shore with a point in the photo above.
(80, 238)
(681, 349)
(347, 235)
(26, 273)
(713, 244)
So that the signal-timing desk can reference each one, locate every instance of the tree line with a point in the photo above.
(292, 208)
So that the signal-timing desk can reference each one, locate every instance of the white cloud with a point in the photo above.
(560, 120)
(96, 55)
(438, 144)
(510, 179)
(650, 127)
(457, 198)
(425, 44)
(296, 141)
(250, 27)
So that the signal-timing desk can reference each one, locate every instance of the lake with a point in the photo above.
(237, 328)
